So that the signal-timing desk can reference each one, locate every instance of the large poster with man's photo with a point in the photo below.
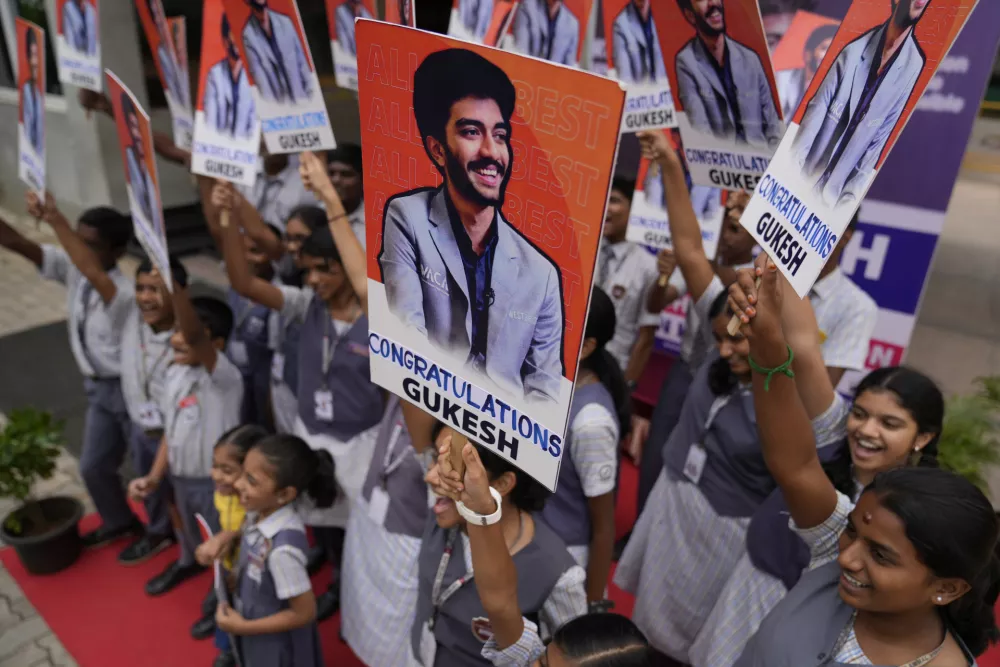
(482, 21)
(634, 58)
(340, 15)
(31, 104)
(717, 60)
(272, 43)
(78, 44)
(648, 220)
(226, 128)
(864, 91)
(172, 77)
(483, 229)
(142, 183)
(177, 25)
(553, 30)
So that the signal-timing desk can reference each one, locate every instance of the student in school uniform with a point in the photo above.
(339, 407)
(894, 420)
(98, 301)
(278, 190)
(451, 626)
(692, 531)
(905, 575)
(596, 639)
(582, 510)
(201, 401)
(343, 164)
(379, 581)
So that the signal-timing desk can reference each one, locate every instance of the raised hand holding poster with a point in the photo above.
(226, 128)
(31, 103)
(78, 44)
(272, 43)
(142, 183)
(879, 63)
(507, 158)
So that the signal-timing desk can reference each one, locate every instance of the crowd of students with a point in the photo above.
(226, 409)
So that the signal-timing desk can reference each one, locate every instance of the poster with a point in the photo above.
(481, 21)
(552, 30)
(528, 150)
(845, 126)
(78, 43)
(272, 43)
(226, 128)
(401, 12)
(731, 123)
(340, 15)
(798, 56)
(142, 183)
(647, 221)
(177, 25)
(31, 104)
(172, 76)
(634, 57)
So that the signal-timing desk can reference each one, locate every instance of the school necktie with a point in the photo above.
(86, 290)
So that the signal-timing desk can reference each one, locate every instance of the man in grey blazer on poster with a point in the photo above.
(854, 111)
(635, 47)
(345, 14)
(453, 267)
(547, 29)
(722, 83)
(475, 15)
(275, 56)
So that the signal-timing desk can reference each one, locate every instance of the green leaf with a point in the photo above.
(29, 447)
(970, 439)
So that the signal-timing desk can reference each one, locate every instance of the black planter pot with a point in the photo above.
(55, 549)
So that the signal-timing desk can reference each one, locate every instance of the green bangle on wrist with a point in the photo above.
(783, 369)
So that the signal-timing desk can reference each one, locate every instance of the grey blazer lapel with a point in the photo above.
(506, 280)
(444, 239)
(707, 70)
(863, 68)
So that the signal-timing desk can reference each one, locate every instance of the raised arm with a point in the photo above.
(802, 333)
(685, 231)
(12, 240)
(786, 434)
(194, 332)
(662, 294)
(257, 229)
(163, 144)
(242, 280)
(352, 254)
(85, 259)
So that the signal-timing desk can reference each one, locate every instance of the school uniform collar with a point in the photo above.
(619, 250)
(825, 287)
(274, 523)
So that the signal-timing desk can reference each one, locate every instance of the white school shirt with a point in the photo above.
(98, 352)
(275, 197)
(846, 316)
(198, 408)
(286, 563)
(146, 356)
(631, 274)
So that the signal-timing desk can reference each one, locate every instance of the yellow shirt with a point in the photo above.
(231, 515)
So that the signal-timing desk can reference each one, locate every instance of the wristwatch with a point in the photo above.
(481, 519)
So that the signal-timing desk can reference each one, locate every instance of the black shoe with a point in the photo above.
(172, 576)
(209, 604)
(204, 627)
(328, 603)
(145, 548)
(225, 659)
(315, 560)
(102, 536)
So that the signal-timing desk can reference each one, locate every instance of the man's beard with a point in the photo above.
(459, 177)
(704, 26)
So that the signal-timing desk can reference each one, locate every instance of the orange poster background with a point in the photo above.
(788, 53)
(743, 24)
(178, 24)
(935, 33)
(153, 35)
(59, 12)
(238, 12)
(392, 13)
(331, 7)
(212, 50)
(611, 9)
(22, 27)
(562, 159)
(115, 91)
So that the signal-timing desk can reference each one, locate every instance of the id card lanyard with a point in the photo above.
(146, 377)
(390, 465)
(697, 456)
(439, 597)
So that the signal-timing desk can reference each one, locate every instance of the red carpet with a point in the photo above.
(99, 611)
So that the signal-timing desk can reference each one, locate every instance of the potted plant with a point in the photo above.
(970, 439)
(43, 532)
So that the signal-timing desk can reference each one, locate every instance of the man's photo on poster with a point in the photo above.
(228, 103)
(453, 267)
(792, 83)
(344, 14)
(32, 94)
(470, 19)
(722, 83)
(547, 29)
(79, 27)
(276, 55)
(141, 186)
(165, 58)
(635, 46)
(850, 118)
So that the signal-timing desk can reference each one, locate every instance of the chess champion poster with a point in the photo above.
(78, 44)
